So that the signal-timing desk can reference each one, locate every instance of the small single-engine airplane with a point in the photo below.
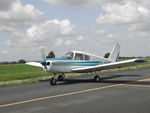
(82, 62)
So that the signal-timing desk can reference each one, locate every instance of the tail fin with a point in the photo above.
(114, 55)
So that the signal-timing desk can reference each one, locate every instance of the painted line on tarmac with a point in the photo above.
(67, 94)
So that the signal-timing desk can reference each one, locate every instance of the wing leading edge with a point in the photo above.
(34, 64)
(108, 66)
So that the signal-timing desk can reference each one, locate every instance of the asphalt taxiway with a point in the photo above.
(119, 92)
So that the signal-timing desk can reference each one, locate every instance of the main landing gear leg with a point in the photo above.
(61, 77)
(96, 77)
(53, 80)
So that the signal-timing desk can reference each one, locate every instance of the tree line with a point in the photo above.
(22, 61)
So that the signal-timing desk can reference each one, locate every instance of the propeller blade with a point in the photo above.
(43, 53)
(44, 63)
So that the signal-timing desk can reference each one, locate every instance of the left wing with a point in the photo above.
(108, 66)
(34, 64)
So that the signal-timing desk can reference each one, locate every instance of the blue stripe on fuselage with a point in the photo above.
(76, 63)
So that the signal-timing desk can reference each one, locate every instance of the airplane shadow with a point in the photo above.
(108, 79)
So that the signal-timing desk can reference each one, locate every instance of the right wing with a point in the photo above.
(107, 66)
(34, 64)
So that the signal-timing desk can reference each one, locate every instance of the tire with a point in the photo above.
(60, 78)
(97, 78)
(53, 81)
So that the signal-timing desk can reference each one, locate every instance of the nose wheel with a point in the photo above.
(53, 81)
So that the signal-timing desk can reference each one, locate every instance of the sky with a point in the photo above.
(94, 26)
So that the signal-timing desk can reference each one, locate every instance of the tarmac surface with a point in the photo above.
(119, 92)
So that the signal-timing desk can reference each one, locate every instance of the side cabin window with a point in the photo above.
(86, 57)
(95, 58)
(78, 56)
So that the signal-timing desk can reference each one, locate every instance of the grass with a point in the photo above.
(21, 73)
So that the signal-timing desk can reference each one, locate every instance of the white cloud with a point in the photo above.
(131, 13)
(5, 51)
(6, 4)
(8, 42)
(19, 15)
(58, 42)
(100, 32)
(64, 26)
(30, 31)
(110, 35)
(51, 34)
(128, 13)
(80, 3)
(49, 30)
(69, 42)
(80, 38)
(74, 3)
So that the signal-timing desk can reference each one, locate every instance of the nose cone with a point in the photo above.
(43, 62)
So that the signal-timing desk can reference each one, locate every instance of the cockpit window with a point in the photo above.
(68, 55)
(78, 56)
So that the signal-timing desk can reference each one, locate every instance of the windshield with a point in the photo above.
(68, 55)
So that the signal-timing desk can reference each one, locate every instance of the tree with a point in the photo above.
(21, 61)
(106, 55)
(51, 55)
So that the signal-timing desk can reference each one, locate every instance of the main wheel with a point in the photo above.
(97, 78)
(53, 81)
(60, 77)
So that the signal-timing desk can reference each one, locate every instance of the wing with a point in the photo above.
(34, 64)
(108, 66)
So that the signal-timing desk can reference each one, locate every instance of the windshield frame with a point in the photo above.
(69, 53)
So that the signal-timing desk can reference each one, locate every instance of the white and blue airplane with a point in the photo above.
(82, 62)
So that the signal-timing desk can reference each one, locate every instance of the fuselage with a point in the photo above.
(72, 60)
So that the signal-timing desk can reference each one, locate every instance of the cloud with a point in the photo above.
(5, 52)
(80, 3)
(80, 38)
(48, 30)
(74, 3)
(127, 13)
(99, 32)
(50, 34)
(8, 42)
(6, 4)
(30, 31)
(18, 15)
(131, 13)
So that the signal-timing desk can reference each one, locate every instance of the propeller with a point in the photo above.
(43, 53)
(44, 58)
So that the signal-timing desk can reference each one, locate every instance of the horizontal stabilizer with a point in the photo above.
(34, 64)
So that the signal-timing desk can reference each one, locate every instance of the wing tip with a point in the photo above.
(140, 60)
